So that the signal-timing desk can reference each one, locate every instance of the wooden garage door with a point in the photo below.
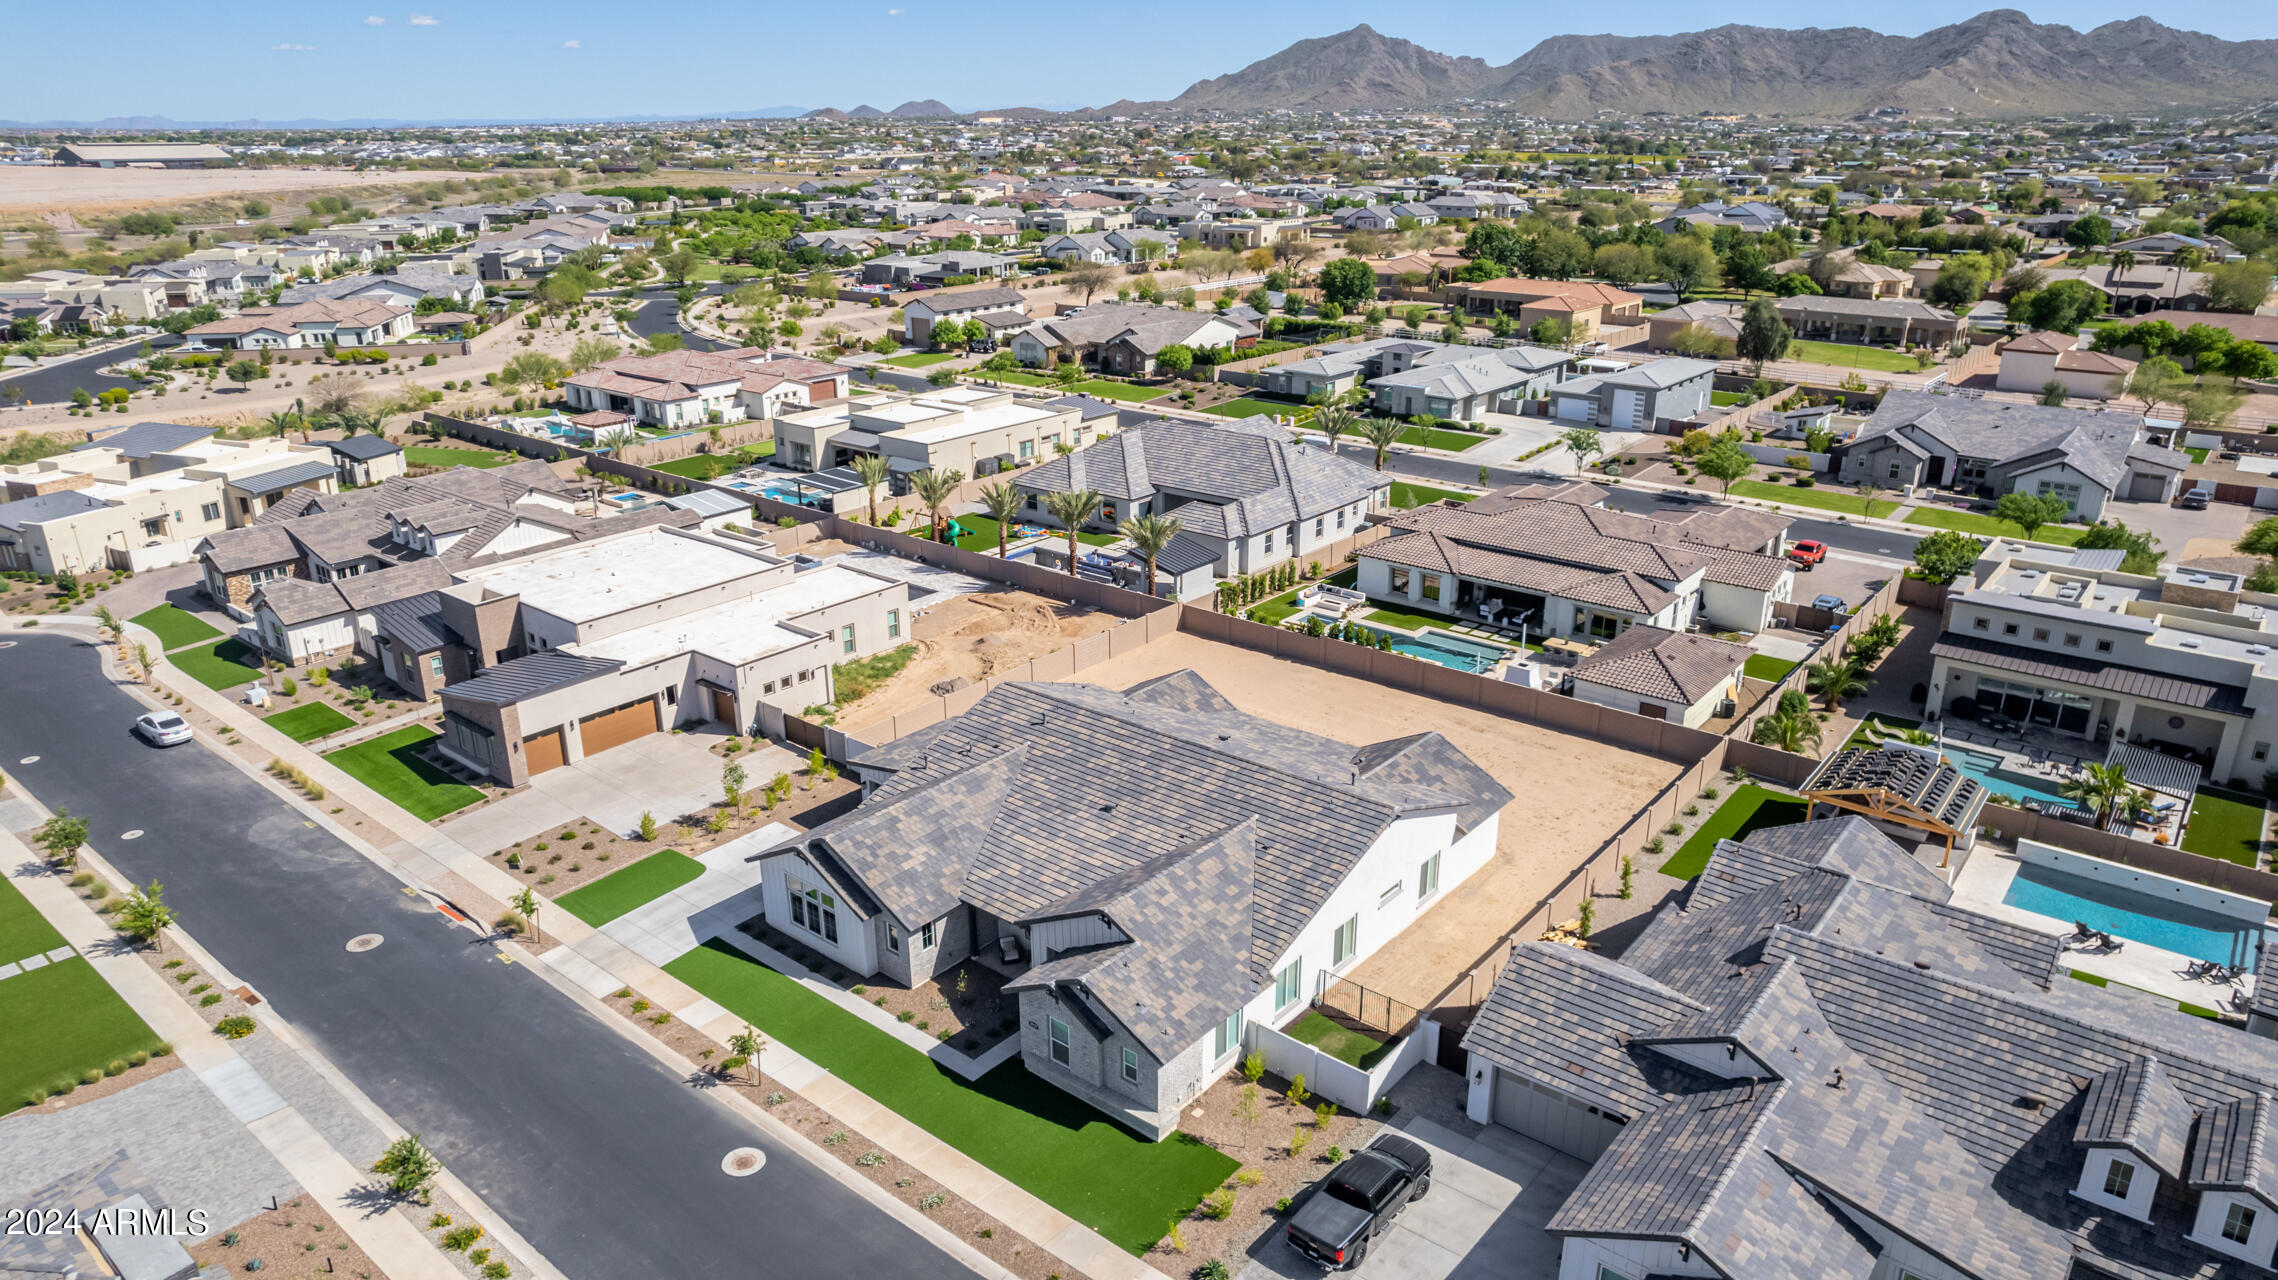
(1552, 1119)
(618, 727)
(543, 751)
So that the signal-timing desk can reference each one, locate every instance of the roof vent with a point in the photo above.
(2188, 644)
(2258, 649)
(2031, 1102)
(1921, 964)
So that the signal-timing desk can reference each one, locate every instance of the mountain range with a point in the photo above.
(2000, 64)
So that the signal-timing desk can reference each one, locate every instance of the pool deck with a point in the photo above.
(1984, 881)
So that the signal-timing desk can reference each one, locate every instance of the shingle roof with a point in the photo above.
(1673, 666)
(2096, 444)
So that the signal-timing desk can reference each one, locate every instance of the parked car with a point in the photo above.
(1807, 553)
(2197, 497)
(162, 728)
(1833, 604)
(1358, 1200)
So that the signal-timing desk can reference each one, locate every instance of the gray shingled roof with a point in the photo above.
(2134, 1105)
(1245, 477)
(2097, 444)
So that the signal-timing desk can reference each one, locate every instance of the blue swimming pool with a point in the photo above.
(2124, 913)
(1447, 650)
(1986, 768)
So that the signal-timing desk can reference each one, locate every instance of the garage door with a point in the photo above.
(543, 751)
(1629, 409)
(1552, 1119)
(617, 727)
(1575, 408)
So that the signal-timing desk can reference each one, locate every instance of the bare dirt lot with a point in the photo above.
(975, 637)
(1568, 793)
(38, 188)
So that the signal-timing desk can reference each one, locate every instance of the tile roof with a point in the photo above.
(2134, 1105)
(1245, 477)
(1673, 666)
(2095, 443)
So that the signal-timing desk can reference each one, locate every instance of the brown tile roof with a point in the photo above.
(1674, 666)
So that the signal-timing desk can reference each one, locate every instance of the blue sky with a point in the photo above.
(580, 58)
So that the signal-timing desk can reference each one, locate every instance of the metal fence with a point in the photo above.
(1354, 1005)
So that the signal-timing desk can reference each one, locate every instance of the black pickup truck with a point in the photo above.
(1358, 1201)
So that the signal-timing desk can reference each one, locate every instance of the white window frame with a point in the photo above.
(1228, 1036)
(1289, 985)
(2122, 1173)
(1428, 878)
(2238, 1222)
(1130, 1066)
(925, 935)
(1345, 943)
(1056, 1032)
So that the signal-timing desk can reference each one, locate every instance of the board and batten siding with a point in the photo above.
(1051, 937)
(856, 944)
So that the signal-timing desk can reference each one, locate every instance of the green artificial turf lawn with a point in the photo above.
(1851, 357)
(1399, 615)
(1117, 391)
(2224, 828)
(1342, 1043)
(1045, 1141)
(1751, 808)
(174, 627)
(224, 664)
(1452, 441)
(1405, 495)
(919, 360)
(23, 930)
(701, 466)
(1985, 526)
(1764, 666)
(635, 886)
(63, 1019)
(306, 724)
(424, 455)
(1824, 499)
(1245, 407)
(387, 765)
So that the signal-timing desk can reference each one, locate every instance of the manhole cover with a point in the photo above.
(29, 760)
(364, 942)
(135, 834)
(743, 1162)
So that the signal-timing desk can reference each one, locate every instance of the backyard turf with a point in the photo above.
(1764, 666)
(220, 665)
(1342, 1043)
(390, 765)
(635, 886)
(1405, 495)
(174, 627)
(1751, 808)
(306, 724)
(425, 455)
(2226, 828)
(1045, 1141)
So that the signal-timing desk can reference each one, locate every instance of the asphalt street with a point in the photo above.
(55, 383)
(659, 312)
(602, 1157)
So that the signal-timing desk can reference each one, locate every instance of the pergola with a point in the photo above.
(1910, 786)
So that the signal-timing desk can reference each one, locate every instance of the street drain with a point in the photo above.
(743, 1162)
(364, 942)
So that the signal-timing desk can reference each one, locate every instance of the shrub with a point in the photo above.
(1249, 1177)
(1336, 1154)
(1215, 1269)
(212, 998)
(1218, 1205)
(493, 1270)
(1282, 1205)
(235, 1027)
(138, 1057)
(933, 1202)
(92, 1075)
(462, 1239)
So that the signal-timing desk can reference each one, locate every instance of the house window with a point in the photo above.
(1431, 586)
(1346, 942)
(1058, 1031)
(1981, 624)
(814, 910)
(1340, 517)
(770, 687)
(805, 676)
(925, 935)
(1269, 542)
(2262, 751)
(893, 623)
(1385, 898)
(1428, 878)
(1608, 1273)
(1894, 471)
(1320, 525)
(846, 638)
(2040, 635)
(2238, 1223)
(1131, 1066)
(1229, 1036)
(1287, 984)
(893, 938)
(435, 665)
(2103, 646)
(2118, 1178)
(2071, 639)
(1028, 450)
(154, 528)
(1400, 581)
(2009, 628)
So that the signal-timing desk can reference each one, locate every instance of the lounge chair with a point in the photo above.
(2201, 969)
(2106, 942)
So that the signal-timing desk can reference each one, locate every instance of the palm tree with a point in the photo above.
(871, 469)
(1838, 679)
(935, 488)
(1149, 535)
(283, 420)
(2100, 788)
(1335, 420)
(1071, 510)
(1004, 503)
(1789, 731)
(1380, 432)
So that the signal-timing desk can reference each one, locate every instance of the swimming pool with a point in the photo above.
(2122, 912)
(1987, 768)
(1449, 651)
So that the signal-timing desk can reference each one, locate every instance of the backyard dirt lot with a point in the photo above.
(977, 636)
(1569, 793)
(38, 188)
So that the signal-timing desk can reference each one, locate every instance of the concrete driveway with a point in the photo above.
(1491, 1194)
(664, 774)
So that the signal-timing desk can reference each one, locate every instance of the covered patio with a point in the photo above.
(1906, 786)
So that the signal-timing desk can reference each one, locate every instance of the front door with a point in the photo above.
(723, 706)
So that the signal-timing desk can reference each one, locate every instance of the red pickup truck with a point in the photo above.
(1807, 553)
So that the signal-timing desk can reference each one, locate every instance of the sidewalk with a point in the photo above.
(589, 962)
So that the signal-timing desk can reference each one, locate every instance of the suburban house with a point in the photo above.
(684, 389)
(407, 286)
(1880, 321)
(1716, 318)
(2252, 328)
(1660, 674)
(2032, 361)
(356, 322)
(1821, 1065)
(1246, 493)
(920, 314)
(2084, 456)
(1588, 306)
(364, 460)
(1149, 914)
(577, 649)
(2177, 663)
(1124, 338)
(1643, 397)
(935, 268)
(2166, 246)
(976, 431)
(2136, 290)
(1380, 363)
(1751, 216)
(1550, 558)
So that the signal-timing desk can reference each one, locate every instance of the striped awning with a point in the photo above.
(2162, 773)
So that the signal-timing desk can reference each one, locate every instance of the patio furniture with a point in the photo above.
(1009, 947)
(2198, 969)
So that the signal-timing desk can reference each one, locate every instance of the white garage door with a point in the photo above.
(1552, 1119)
(1575, 408)
(1629, 410)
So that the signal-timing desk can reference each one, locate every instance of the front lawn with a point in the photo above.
(175, 628)
(1452, 441)
(623, 890)
(427, 455)
(1851, 357)
(1406, 495)
(1045, 1141)
(919, 360)
(2225, 827)
(306, 724)
(851, 680)
(1985, 526)
(390, 765)
(224, 664)
(63, 1020)
(1824, 499)
(1749, 809)
(1245, 407)
(23, 930)
(1105, 390)
(1763, 666)
(1351, 1047)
